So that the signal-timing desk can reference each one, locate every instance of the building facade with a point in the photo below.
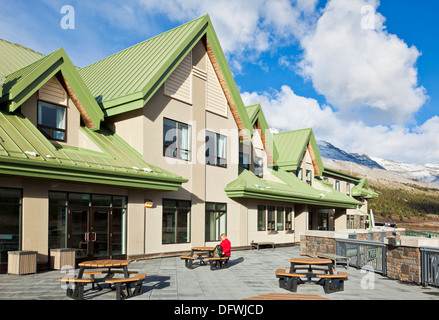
(151, 151)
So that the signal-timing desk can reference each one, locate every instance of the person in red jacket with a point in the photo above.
(226, 245)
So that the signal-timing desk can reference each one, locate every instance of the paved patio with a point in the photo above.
(250, 273)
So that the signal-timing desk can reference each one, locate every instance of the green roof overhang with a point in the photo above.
(33, 169)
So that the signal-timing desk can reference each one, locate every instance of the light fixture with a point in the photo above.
(149, 204)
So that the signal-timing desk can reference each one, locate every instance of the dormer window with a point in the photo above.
(52, 121)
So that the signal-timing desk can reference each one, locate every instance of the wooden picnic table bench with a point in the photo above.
(259, 244)
(330, 281)
(289, 280)
(137, 280)
(75, 291)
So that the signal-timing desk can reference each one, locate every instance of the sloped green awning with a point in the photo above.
(247, 185)
(25, 152)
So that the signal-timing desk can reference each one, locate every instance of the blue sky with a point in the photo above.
(361, 73)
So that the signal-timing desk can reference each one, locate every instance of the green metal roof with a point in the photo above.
(24, 151)
(361, 189)
(294, 190)
(126, 80)
(14, 57)
(23, 83)
(255, 113)
(291, 146)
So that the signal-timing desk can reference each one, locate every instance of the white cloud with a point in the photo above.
(366, 71)
(287, 111)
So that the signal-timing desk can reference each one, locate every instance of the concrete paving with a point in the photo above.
(250, 273)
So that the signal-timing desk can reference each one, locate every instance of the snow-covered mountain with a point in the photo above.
(416, 172)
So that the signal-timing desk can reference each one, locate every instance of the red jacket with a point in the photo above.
(227, 246)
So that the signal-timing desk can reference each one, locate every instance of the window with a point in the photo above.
(216, 149)
(262, 216)
(259, 165)
(176, 221)
(288, 219)
(52, 121)
(10, 224)
(176, 140)
(271, 219)
(280, 218)
(348, 188)
(216, 220)
(308, 177)
(244, 155)
(299, 173)
(337, 185)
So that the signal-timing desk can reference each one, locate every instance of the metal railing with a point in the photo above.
(429, 266)
(363, 253)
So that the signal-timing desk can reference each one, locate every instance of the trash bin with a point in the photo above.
(22, 262)
(62, 257)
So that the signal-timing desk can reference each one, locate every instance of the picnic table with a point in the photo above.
(204, 254)
(289, 279)
(311, 265)
(121, 266)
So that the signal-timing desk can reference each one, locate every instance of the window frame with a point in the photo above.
(177, 143)
(217, 212)
(176, 215)
(52, 129)
(215, 160)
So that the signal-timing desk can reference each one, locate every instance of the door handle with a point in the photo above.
(94, 239)
(86, 236)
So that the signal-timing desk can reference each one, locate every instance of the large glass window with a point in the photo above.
(176, 221)
(176, 140)
(308, 177)
(216, 149)
(244, 154)
(274, 218)
(271, 218)
(216, 220)
(288, 219)
(262, 216)
(280, 218)
(10, 224)
(52, 120)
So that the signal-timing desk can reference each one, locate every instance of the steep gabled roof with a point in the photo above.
(292, 145)
(361, 189)
(127, 80)
(21, 84)
(257, 118)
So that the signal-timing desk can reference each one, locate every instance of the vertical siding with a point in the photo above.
(179, 83)
(216, 100)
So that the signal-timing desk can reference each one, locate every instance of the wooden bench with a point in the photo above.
(218, 263)
(288, 280)
(330, 281)
(334, 258)
(137, 280)
(76, 291)
(108, 273)
(188, 261)
(258, 244)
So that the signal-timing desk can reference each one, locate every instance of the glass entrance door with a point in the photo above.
(89, 233)
(100, 237)
(79, 232)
